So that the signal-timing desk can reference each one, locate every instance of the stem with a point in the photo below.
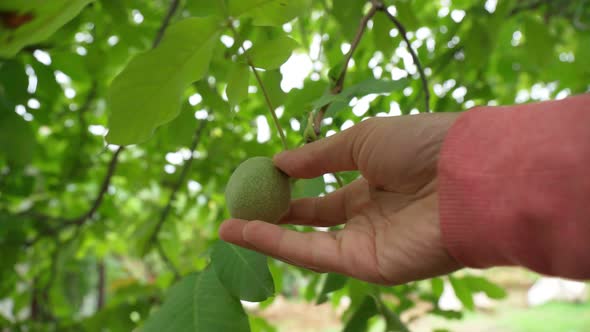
(263, 88)
(165, 22)
(153, 238)
(167, 260)
(340, 81)
(270, 107)
(403, 33)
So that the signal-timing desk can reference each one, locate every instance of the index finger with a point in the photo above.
(332, 154)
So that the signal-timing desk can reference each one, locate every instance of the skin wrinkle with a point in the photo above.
(377, 254)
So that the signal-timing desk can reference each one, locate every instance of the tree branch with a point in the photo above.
(165, 22)
(337, 88)
(403, 32)
(79, 221)
(263, 88)
(153, 238)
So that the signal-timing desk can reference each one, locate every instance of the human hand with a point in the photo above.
(391, 231)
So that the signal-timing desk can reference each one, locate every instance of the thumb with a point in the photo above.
(333, 154)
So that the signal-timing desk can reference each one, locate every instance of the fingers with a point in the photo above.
(333, 154)
(330, 210)
(314, 250)
(350, 253)
(318, 251)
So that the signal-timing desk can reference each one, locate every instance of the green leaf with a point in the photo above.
(272, 53)
(272, 83)
(205, 8)
(406, 14)
(380, 33)
(243, 272)
(462, 292)
(479, 284)
(148, 92)
(539, 42)
(348, 13)
(300, 100)
(394, 323)
(308, 187)
(479, 44)
(14, 82)
(180, 131)
(237, 84)
(448, 314)
(267, 12)
(199, 302)
(17, 139)
(437, 286)
(12, 237)
(361, 316)
(371, 85)
(211, 97)
(117, 317)
(43, 19)
(332, 283)
(259, 324)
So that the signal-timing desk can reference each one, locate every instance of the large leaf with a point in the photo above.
(148, 92)
(348, 13)
(199, 302)
(272, 83)
(272, 53)
(267, 12)
(14, 81)
(17, 139)
(237, 84)
(243, 272)
(40, 19)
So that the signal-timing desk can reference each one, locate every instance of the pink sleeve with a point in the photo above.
(514, 187)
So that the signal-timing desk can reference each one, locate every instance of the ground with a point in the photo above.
(509, 315)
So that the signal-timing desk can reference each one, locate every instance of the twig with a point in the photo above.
(153, 238)
(171, 10)
(403, 32)
(168, 261)
(337, 88)
(34, 306)
(103, 189)
(44, 292)
(80, 220)
(263, 88)
(101, 285)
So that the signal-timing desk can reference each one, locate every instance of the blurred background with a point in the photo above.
(92, 236)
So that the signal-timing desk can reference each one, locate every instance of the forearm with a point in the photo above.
(514, 185)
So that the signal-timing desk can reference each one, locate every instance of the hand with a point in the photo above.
(391, 231)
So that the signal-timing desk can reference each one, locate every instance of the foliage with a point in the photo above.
(125, 235)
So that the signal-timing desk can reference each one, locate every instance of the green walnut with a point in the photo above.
(258, 190)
